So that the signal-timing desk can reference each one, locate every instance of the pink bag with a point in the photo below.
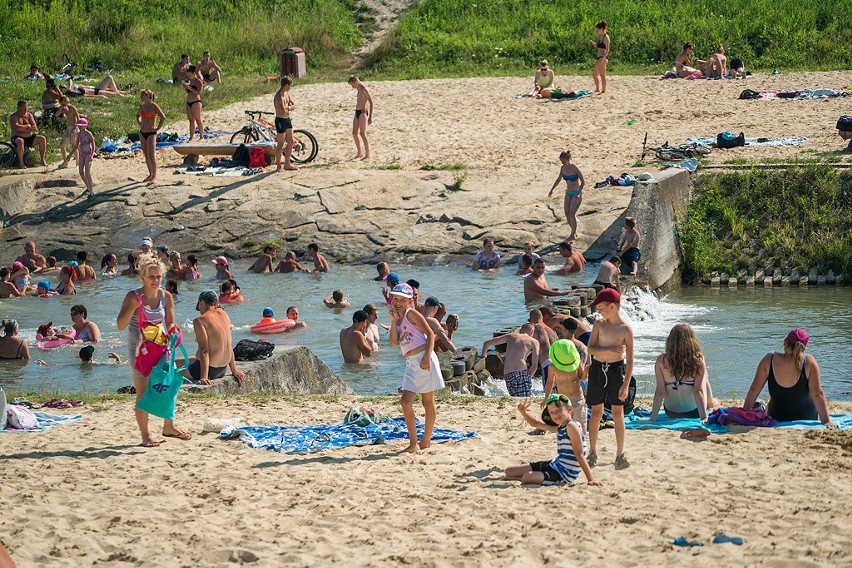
(21, 418)
(150, 352)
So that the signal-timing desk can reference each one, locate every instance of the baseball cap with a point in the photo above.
(87, 352)
(432, 301)
(798, 336)
(607, 295)
(268, 313)
(392, 279)
(403, 290)
(221, 260)
(564, 355)
(82, 122)
(44, 284)
(17, 265)
(162, 248)
(209, 297)
(146, 242)
(44, 328)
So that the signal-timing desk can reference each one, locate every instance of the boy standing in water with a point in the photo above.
(611, 348)
(283, 125)
(363, 117)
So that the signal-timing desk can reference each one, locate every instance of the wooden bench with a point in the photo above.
(191, 151)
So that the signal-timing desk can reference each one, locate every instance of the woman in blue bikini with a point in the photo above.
(574, 184)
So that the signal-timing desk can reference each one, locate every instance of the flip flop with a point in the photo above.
(681, 541)
(723, 538)
(181, 436)
(694, 434)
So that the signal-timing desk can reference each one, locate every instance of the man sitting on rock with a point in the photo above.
(213, 335)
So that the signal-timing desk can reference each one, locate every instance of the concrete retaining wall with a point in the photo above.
(290, 370)
(657, 205)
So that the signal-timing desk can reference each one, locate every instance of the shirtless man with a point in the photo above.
(383, 269)
(320, 263)
(443, 344)
(213, 335)
(717, 64)
(35, 74)
(353, 342)
(683, 62)
(70, 136)
(608, 275)
(611, 348)
(628, 246)
(7, 287)
(363, 117)
(572, 328)
(335, 300)
(574, 260)
(293, 314)
(519, 346)
(179, 69)
(85, 271)
(264, 261)
(535, 285)
(24, 134)
(545, 336)
(32, 260)
(372, 331)
(210, 70)
(567, 369)
(283, 125)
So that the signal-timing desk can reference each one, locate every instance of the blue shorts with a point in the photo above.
(631, 255)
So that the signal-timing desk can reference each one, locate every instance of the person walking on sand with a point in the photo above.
(602, 45)
(150, 118)
(415, 338)
(71, 115)
(194, 86)
(283, 124)
(363, 117)
(84, 147)
(574, 184)
(155, 307)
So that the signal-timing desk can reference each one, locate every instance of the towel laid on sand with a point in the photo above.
(46, 420)
(321, 437)
(757, 142)
(632, 422)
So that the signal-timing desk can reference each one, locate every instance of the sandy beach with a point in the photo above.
(85, 494)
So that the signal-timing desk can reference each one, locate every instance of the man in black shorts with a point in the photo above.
(24, 134)
(283, 124)
(213, 335)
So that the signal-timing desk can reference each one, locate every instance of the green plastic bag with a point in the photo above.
(164, 383)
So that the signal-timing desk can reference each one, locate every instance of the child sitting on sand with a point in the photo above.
(570, 446)
(628, 246)
(336, 300)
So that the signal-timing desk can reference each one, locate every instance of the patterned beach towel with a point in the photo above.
(632, 422)
(321, 437)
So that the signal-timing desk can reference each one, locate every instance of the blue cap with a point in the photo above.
(73, 263)
(392, 279)
(268, 313)
(44, 284)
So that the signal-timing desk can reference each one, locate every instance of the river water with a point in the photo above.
(735, 327)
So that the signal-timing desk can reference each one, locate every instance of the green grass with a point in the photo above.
(455, 166)
(441, 38)
(793, 216)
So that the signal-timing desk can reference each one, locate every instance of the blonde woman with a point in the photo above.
(150, 118)
(157, 308)
(683, 386)
(795, 390)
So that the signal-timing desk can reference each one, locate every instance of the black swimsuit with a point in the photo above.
(790, 403)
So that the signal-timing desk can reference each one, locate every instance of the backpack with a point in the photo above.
(249, 350)
(257, 157)
(21, 418)
(631, 397)
(241, 155)
(844, 123)
(728, 140)
(364, 416)
(748, 94)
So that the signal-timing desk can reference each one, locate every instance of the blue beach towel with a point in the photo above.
(633, 422)
(46, 420)
(321, 437)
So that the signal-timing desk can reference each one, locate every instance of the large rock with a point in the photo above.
(13, 197)
(290, 370)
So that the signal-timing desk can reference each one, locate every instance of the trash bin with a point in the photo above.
(293, 62)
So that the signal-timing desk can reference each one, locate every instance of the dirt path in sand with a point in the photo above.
(383, 16)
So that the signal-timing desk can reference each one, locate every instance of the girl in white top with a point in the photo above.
(422, 375)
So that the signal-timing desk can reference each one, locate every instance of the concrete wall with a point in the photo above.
(290, 370)
(657, 205)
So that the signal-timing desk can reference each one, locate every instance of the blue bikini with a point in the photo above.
(571, 177)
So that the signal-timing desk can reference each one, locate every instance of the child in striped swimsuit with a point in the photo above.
(570, 446)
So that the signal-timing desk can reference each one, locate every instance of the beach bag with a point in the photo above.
(844, 123)
(748, 94)
(241, 155)
(728, 140)
(363, 416)
(257, 157)
(250, 350)
(631, 398)
(20, 418)
(164, 382)
(154, 344)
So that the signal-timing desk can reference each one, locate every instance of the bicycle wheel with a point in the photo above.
(698, 150)
(668, 154)
(305, 147)
(7, 155)
(245, 136)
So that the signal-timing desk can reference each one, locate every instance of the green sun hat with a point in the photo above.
(564, 355)
(545, 414)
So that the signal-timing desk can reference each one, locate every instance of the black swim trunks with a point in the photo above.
(550, 474)
(605, 379)
(212, 372)
(28, 140)
(358, 113)
(206, 76)
(282, 124)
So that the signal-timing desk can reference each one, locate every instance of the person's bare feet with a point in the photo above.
(423, 445)
(365, 158)
(412, 449)
(149, 443)
(290, 168)
(177, 433)
(357, 156)
(43, 163)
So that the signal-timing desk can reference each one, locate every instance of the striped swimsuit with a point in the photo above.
(565, 461)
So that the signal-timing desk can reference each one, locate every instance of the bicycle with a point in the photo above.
(305, 146)
(668, 153)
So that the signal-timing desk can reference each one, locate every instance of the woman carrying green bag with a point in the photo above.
(156, 308)
(164, 382)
